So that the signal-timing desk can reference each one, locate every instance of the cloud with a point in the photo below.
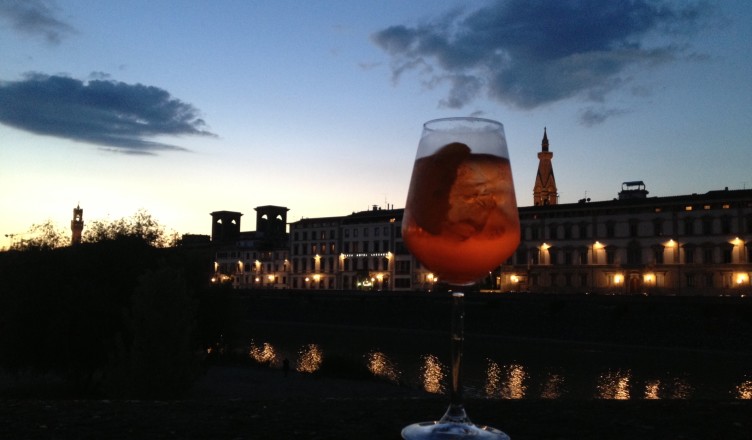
(111, 114)
(36, 18)
(532, 53)
(595, 115)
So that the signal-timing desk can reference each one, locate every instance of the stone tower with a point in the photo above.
(77, 225)
(271, 221)
(225, 226)
(544, 191)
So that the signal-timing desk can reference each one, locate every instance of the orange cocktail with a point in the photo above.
(461, 217)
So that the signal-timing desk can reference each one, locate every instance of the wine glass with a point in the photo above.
(460, 222)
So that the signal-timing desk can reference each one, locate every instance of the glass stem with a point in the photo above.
(456, 411)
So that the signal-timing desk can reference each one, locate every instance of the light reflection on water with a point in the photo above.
(744, 390)
(553, 386)
(505, 382)
(381, 366)
(614, 385)
(652, 389)
(680, 389)
(264, 354)
(513, 380)
(310, 358)
(432, 374)
(493, 379)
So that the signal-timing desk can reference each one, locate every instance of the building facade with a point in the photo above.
(696, 244)
(682, 245)
(252, 259)
(361, 251)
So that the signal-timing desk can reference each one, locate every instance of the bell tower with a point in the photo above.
(225, 226)
(544, 191)
(77, 225)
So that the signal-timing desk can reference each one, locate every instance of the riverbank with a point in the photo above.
(703, 323)
(246, 402)
(256, 403)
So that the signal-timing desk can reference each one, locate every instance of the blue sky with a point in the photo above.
(184, 108)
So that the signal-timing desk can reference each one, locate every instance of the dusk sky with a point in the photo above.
(182, 108)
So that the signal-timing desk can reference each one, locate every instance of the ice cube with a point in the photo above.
(431, 183)
(477, 193)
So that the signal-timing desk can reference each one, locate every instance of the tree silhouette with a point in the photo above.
(43, 236)
(141, 225)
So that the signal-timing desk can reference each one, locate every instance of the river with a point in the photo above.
(509, 368)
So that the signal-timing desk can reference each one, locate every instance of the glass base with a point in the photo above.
(451, 430)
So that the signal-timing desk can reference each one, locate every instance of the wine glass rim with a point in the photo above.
(427, 124)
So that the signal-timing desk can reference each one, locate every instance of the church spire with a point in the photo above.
(544, 191)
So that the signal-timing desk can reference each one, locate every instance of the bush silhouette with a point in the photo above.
(159, 356)
(118, 316)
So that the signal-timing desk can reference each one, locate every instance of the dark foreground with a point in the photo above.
(242, 403)
(368, 418)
